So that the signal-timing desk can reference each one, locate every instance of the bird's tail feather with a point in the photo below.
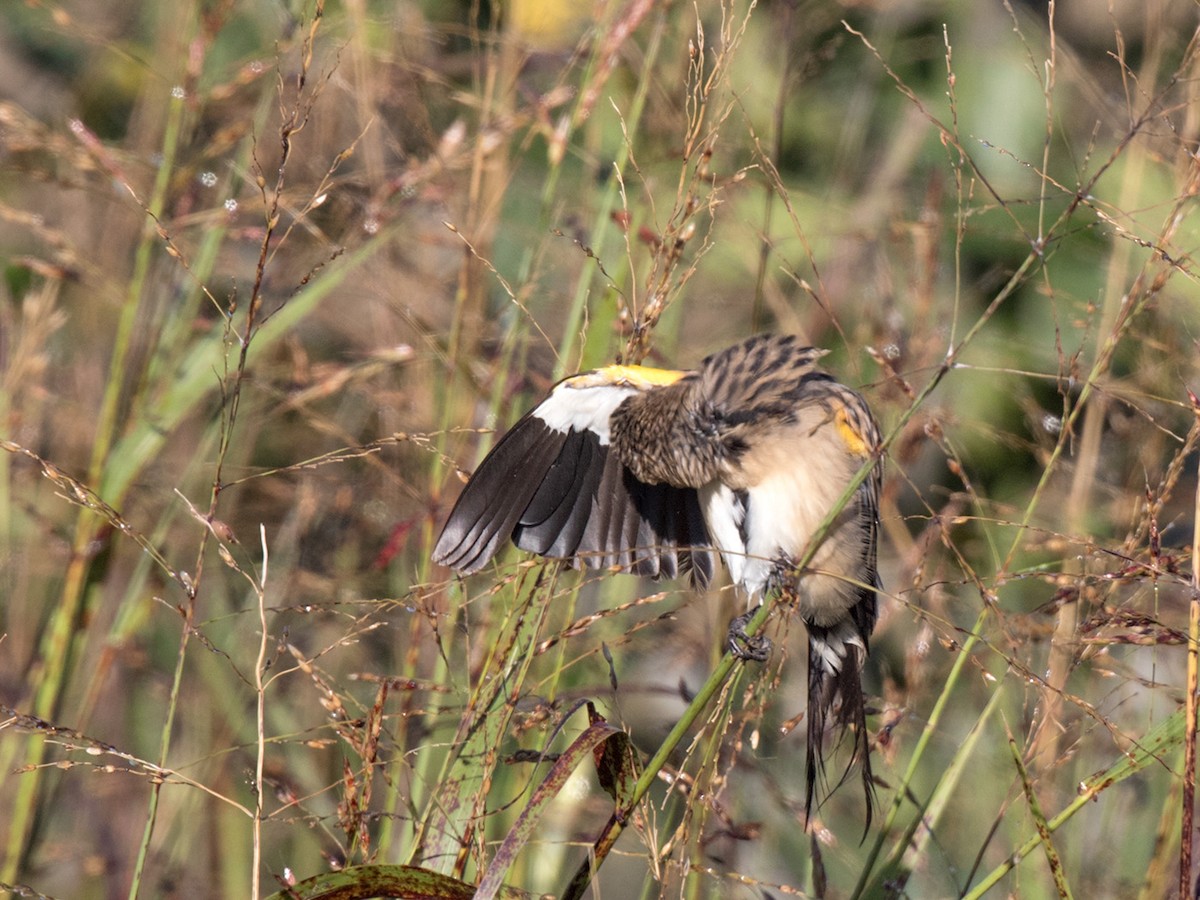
(835, 659)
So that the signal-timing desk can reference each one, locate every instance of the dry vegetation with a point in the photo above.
(276, 274)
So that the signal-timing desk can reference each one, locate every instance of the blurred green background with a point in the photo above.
(269, 266)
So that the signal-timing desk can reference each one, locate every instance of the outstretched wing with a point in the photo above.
(552, 485)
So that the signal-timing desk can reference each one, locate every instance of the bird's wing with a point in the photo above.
(866, 611)
(554, 487)
(489, 506)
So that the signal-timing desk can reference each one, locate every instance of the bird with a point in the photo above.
(659, 472)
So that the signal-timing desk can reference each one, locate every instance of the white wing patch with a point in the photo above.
(575, 405)
(724, 515)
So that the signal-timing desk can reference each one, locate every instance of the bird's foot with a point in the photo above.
(747, 647)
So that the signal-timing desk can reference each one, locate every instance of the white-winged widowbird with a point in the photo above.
(655, 472)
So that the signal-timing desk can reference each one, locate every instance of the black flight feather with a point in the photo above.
(492, 501)
(555, 521)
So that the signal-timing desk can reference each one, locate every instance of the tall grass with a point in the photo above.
(276, 279)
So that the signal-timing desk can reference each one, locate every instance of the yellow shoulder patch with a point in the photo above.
(855, 441)
(640, 377)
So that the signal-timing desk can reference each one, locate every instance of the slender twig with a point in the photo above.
(260, 695)
(1193, 685)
